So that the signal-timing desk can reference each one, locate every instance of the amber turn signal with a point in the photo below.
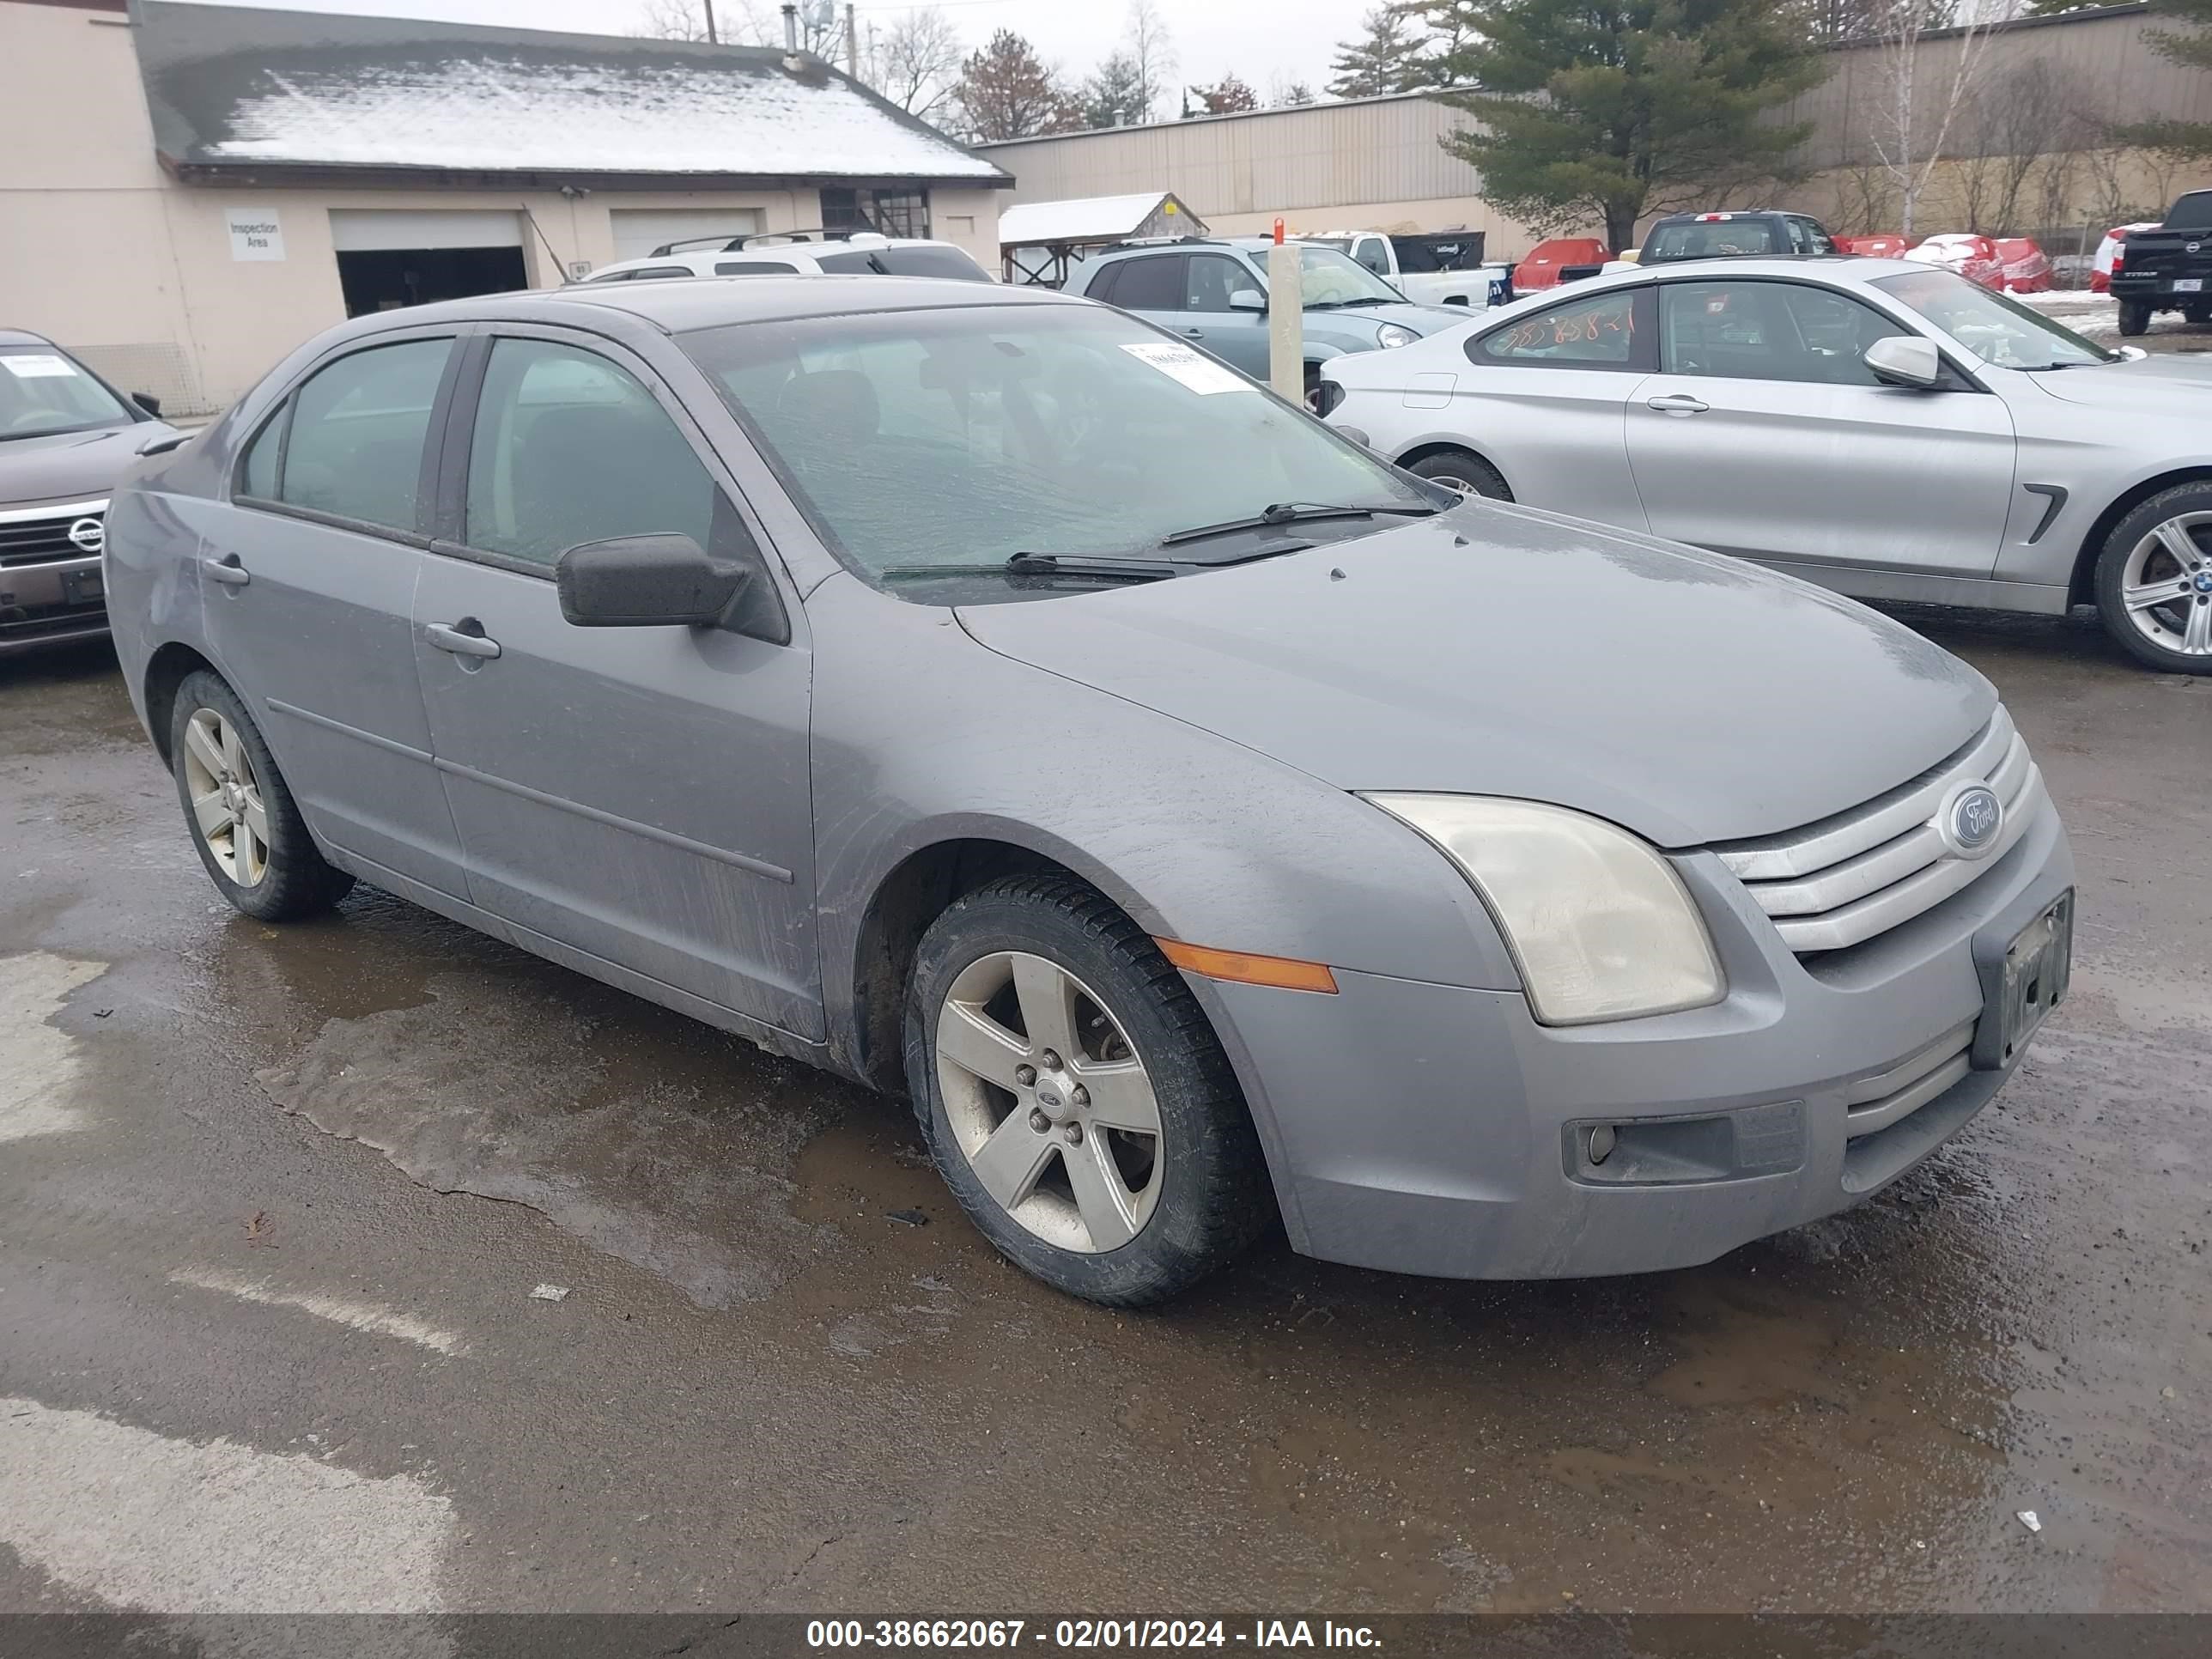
(1284, 972)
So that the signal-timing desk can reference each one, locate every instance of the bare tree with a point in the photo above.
(1152, 51)
(1919, 98)
(915, 63)
(742, 22)
(682, 20)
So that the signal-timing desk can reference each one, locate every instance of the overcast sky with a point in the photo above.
(1258, 40)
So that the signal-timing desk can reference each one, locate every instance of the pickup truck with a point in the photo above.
(1431, 268)
(2168, 267)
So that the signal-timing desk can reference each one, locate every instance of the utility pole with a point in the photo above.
(1287, 320)
(852, 43)
(713, 39)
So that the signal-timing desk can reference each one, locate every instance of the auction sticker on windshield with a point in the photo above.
(1187, 368)
(36, 365)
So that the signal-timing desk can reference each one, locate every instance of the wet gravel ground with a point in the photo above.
(273, 1203)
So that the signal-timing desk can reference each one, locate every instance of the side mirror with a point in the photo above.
(1356, 436)
(648, 581)
(146, 401)
(1906, 361)
(1248, 299)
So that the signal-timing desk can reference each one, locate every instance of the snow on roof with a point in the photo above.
(237, 86)
(1091, 218)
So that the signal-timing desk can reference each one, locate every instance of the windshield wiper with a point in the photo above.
(1284, 512)
(1041, 564)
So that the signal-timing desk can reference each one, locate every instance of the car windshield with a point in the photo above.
(1714, 238)
(2000, 330)
(961, 437)
(43, 392)
(1327, 277)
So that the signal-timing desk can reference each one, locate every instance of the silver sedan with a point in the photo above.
(1887, 430)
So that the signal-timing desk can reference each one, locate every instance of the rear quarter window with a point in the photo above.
(931, 262)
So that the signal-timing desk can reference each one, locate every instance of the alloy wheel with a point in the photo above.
(2166, 585)
(225, 797)
(1049, 1103)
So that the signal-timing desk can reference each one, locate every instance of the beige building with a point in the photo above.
(1378, 163)
(187, 192)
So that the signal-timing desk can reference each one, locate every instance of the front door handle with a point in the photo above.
(227, 570)
(1194, 333)
(1678, 403)
(465, 638)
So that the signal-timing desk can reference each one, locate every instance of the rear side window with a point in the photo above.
(1600, 332)
(1152, 283)
(846, 265)
(754, 268)
(571, 447)
(357, 431)
(930, 261)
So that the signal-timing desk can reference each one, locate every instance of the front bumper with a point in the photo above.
(43, 604)
(1434, 1129)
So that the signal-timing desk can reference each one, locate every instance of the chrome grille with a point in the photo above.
(39, 535)
(1847, 878)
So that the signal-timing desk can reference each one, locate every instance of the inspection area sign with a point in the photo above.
(255, 233)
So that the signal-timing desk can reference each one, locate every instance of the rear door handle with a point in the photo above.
(227, 570)
(1678, 403)
(464, 639)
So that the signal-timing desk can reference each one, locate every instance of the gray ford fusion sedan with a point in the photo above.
(981, 695)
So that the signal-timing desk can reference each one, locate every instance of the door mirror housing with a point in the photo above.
(1248, 299)
(649, 581)
(1905, 360)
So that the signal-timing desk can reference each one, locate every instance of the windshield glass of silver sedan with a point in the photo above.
(953, 439)
(42, 391)
(2001, 331)
(1327, 277)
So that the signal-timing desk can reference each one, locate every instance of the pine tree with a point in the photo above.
(1231, 97)
(1006, 91)
(1115, 94)
(1388, 58)
(2189, 44)
(1605, 112)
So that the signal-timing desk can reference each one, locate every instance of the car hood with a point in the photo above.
(1498, 650)
(67, 464)
(2161, 383)
(1422, 319)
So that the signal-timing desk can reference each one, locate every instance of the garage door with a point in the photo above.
(638, 231)
(368, 230)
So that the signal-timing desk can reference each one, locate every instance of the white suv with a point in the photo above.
(781, 253)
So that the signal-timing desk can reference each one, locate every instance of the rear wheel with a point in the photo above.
(2154, 581)
(244, 821)
(1074, 1097)
(2197, 316)
(2135, 317)
(1470, 475)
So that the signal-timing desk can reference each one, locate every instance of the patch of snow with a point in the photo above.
(482, 113)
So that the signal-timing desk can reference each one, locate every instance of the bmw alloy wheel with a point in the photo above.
(2166, 585)
(225, 797)
(1049, 1103)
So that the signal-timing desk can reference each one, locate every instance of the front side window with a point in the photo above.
(1151, 283)
(1766, 330)
(2000, 330)
(357, 428)
(1597, 332)
(43, 392)
(1210, 279)
(962, 436)
(1327, 277)
(569, 446)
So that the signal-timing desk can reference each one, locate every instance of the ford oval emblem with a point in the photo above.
(88, 535)
(1971, 819)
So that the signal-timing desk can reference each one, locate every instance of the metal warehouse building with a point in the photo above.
(186, 191)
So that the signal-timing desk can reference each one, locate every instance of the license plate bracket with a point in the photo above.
(2023, 980)
(83, 587)
(2189, 285)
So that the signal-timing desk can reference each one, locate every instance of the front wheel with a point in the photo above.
(2135, 317)
(1470, 475)
(245, 823)
(1074, 1097)
(2154, 581)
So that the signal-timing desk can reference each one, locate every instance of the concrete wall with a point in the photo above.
(104, 251)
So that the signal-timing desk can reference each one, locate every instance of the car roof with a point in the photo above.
(678, 304)
(768, 249)
(20, 336)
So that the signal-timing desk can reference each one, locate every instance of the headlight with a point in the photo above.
(1599, 925)
(1391, 335)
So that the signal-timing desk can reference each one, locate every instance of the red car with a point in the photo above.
(1883, 245)
(1548, 258)
(2026, 266)
(1974, 257)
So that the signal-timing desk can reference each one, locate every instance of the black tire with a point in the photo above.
(1214, 1198)
(295, 881)
(2197, 316)
(1463, 471)
(2112, 561)
(2135, 317)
